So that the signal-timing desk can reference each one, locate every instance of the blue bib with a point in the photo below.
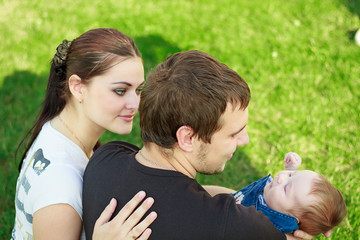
(249, 196)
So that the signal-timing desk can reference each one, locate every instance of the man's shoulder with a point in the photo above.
(118, 146)
(110, 155)
(113, 149)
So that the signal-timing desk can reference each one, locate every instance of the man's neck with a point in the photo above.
(151, 155)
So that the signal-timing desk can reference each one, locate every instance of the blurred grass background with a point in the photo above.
(298, 57)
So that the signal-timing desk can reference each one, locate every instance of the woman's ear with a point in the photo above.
(76, 87)
(185, 138)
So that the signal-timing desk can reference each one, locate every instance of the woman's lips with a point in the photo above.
(127, 118)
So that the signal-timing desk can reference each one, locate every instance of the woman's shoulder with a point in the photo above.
(53, 147)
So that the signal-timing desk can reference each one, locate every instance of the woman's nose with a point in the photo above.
(132, 101)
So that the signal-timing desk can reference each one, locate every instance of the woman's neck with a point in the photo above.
(77, 128)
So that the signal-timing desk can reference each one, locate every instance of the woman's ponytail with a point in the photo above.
(55, 97)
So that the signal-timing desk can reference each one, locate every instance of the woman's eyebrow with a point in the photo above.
(126, 83)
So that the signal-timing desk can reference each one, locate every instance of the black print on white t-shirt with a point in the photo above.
(40, 162)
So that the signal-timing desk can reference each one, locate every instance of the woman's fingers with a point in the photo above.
(145, 235)
(107, 213)
(126, 224)
(142, 227)
(138, 214)
(129, 208)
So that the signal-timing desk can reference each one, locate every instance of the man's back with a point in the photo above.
(185, 210)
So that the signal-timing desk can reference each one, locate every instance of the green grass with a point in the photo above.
(297, 56)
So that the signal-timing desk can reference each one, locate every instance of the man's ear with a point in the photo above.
(76, 87)
(185, 138)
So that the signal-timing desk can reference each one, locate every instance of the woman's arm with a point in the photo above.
(214, 190)
(58, 221)
(61, 221)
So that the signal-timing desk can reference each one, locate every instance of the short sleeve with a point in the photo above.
(60, 183)
(247, 223)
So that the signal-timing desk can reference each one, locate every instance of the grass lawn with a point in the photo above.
(297, 56)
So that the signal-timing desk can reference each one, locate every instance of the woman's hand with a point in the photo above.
(125, 225)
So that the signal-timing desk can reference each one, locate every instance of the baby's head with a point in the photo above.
(309, 197)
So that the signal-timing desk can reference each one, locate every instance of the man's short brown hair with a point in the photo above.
(189, 88)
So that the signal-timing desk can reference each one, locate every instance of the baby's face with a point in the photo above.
(288, 190)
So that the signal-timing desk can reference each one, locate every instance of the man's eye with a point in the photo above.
(120, 91)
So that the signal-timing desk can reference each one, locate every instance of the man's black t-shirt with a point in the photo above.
(185, 210)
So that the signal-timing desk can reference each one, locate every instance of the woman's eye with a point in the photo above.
(138, 91)
(120, 91)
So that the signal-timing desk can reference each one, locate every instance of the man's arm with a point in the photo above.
(214, 190)
(248, 223)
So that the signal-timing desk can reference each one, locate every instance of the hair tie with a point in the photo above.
(60, 56)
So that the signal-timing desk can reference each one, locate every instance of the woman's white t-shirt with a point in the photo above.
(52, 173)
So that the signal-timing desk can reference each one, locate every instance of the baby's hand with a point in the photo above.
(292, 161)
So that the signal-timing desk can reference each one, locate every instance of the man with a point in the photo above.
(193, 114)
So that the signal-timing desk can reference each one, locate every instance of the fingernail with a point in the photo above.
(149, 201)
(153, 215)
(112, 201)
(147, 232)
(141, 194)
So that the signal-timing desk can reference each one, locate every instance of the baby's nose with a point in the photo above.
(281, 178)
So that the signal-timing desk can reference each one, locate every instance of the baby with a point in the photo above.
(296, 199)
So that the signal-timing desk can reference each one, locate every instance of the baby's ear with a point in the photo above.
(327, 233)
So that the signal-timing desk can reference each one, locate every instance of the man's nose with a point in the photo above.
(243, 138)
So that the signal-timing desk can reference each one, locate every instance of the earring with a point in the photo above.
(80, 101)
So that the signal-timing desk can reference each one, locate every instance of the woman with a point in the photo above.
(94, 85)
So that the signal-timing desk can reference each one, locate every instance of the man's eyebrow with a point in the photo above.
(233, 134)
